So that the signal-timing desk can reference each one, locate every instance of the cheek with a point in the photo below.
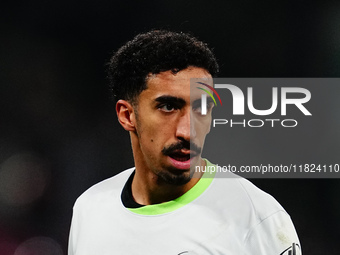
(202, 126)
(154, 130)
(150, 137)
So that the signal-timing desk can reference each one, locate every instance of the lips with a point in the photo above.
(181, 153)
(181, 160)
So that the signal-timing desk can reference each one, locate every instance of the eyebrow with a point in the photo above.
(170, 99)
(198, 101)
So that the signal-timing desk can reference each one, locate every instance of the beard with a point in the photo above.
(174, 177)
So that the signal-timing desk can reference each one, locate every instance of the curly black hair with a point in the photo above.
(151, 53)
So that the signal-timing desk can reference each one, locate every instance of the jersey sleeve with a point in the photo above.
(274, 235)
(74, 230)
(72, 234)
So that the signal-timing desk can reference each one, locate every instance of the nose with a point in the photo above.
(185, 127)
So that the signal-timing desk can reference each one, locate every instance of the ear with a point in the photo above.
(126, 115)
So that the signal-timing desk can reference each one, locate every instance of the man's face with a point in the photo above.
(170, 128)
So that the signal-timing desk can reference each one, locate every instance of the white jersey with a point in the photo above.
(217, 216)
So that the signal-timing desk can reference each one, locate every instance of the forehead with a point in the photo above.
(175, 84)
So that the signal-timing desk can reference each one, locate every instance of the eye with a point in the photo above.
(210, 106)
(168, 107)
(197, 107)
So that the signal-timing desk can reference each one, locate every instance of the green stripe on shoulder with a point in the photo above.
(181, 201)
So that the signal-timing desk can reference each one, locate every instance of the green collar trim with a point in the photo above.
(181, 201)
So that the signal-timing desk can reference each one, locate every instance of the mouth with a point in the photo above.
(180, 156)
(181, 160)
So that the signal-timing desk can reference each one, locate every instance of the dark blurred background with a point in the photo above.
(58, 128)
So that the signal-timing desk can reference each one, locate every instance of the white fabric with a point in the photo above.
(232, 216)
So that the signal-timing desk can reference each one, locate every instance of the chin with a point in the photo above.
(175, 177)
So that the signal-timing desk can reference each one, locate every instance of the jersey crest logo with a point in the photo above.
(292, 250)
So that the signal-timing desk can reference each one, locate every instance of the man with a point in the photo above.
(161, 206)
